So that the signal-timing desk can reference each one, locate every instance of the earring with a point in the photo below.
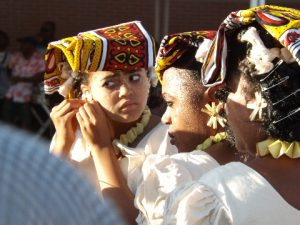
(87, 96)
(214, 117)
(257, 106)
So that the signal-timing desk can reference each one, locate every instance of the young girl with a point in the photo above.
(105, 76)
(195, 126)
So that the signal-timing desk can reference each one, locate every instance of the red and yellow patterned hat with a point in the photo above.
(173, 47)
(282, 23)
(126, 46)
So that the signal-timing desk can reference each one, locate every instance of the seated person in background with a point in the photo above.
(38, 188)
(256, 56)
(26, 67)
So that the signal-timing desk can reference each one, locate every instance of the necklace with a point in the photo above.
(278, 148)
(133, 133)
(212, 140)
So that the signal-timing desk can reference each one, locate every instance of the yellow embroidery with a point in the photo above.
(212, 140)
(278, 148)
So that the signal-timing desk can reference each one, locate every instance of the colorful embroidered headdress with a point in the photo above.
(126, 46)
(174, 46)
(279, 90)
(280, 22)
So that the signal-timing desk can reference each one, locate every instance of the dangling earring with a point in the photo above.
(214, 116)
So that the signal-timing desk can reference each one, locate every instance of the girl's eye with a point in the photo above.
(135, 77)
(109, 84)
(169, 103)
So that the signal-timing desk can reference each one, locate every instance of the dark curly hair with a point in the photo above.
(280, 87)
(82, 78)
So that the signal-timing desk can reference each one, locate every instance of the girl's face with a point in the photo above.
(187, 124)
(123, 95)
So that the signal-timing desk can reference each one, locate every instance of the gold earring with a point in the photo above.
(214, 117)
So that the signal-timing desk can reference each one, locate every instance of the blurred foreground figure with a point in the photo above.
(38, 188)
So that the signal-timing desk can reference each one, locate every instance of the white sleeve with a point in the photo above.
(161, 175)
(195, 203)
(79, 150)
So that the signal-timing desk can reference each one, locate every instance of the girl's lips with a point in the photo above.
(128, 106)
(172, 138)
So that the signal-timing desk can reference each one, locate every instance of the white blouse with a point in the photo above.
(161, 175)
(231, 194)
(155, 142)
(153, 169)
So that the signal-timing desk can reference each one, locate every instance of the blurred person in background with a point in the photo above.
(4, 59)
(38, 188)
(45, 35)
(26, 69)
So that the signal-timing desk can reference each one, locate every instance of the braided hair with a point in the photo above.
(280, 87)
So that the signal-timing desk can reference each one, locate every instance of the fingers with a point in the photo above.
(83, 114)
(91, 115)
(70, 115)
(94, 111)
(80, 121)
(65, 107)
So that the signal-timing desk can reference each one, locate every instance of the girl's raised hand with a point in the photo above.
(94, 124)
(64, 120)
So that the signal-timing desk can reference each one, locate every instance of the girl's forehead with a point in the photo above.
(117, 72)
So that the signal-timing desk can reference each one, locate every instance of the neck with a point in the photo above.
(283, 174)
(121, 128)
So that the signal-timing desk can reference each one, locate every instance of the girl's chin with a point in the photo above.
(126, 118)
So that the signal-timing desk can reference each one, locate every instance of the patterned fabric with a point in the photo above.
(38, 188)
(174, 46)
(125, 46)
(21, 67)
(280, 22)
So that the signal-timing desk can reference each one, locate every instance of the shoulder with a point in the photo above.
(235, 192)
(162, 174)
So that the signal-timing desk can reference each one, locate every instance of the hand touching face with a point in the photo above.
(94, 124)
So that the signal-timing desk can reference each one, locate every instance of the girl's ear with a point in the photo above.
(86, 95)
(209, 93)
(84, 88)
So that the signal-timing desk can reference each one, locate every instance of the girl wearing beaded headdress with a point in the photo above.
(256, 56)
(105, 76)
